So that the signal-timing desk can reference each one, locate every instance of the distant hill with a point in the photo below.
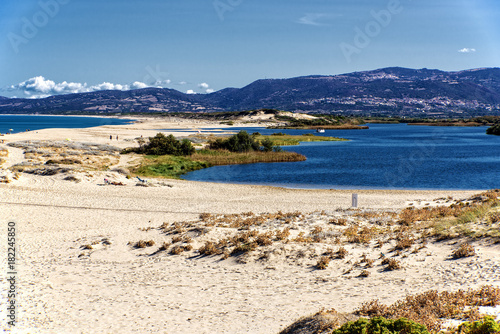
(391, 91)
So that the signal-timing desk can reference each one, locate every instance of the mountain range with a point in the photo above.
(391, 91)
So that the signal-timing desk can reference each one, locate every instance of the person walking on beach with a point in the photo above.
(110, 137)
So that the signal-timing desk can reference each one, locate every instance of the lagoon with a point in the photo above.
(386, 156)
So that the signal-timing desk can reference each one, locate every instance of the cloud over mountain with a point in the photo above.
(38, 87)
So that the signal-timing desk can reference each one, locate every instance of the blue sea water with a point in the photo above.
(20, 123)
(386, 156)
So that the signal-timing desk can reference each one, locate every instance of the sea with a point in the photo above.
(386, 156)
(20, 123)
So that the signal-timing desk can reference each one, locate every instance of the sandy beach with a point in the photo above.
(114, 287)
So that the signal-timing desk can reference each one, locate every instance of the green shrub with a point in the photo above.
(169, 166)
(488, 325)
(494, 130)
(164, 145)
(267, 144)
(380, 325)
(243, 142)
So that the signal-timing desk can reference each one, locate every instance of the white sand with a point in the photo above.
(118, 289)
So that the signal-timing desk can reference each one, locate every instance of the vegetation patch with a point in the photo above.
(487, 325)
(241, 148)
(288, 140)
(380, 325)
(421, 313)
(465, 250)
(44, 157)
(494, 130)
(144, 243)
(431, 307)
(167, 166)
(320, 122)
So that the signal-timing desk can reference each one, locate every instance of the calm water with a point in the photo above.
(387, 156)
(20, 123)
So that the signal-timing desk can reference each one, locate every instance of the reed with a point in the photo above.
(222, 157)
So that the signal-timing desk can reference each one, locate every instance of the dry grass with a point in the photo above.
(144, 243)
(303, 238)
(392, 264)
(430, 307)
(44, 157)
(465, 250)
(323, 263)
(216, 158)
(364, 273)
(404, 241)
(341, 253)
(339, 221)
(358, 235)
(164, 247)
(209, 248)
(3, 153)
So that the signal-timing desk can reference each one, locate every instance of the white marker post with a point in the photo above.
(354, 200)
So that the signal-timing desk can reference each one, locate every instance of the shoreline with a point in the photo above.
(80, 271)
(346, 188)
(177, 125)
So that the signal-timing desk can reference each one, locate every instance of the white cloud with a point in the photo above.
(467, 50)
(138, 85)
(315, 19)
(162, 83)
(39, 87)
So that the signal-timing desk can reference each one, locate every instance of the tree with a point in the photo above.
(494, 130)
(267, 145)
(163, 145)
(186, 148)
(240, 142)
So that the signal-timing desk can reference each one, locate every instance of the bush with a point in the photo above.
(465, 250)
(267, 144)
(243, 142)
(393, 264)
(494, 130)
(240, 142)
(164, 145)
(323, 263)
(488, 325)
(380, 325)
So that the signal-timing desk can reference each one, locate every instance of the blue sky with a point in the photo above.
(60, 46)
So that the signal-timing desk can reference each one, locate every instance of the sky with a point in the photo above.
(51, 47)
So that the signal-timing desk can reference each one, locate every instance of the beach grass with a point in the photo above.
(288, 140)
(174, 166)
(167, 166)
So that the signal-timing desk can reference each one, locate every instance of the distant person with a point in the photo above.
(110, 137)
(116, 137)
